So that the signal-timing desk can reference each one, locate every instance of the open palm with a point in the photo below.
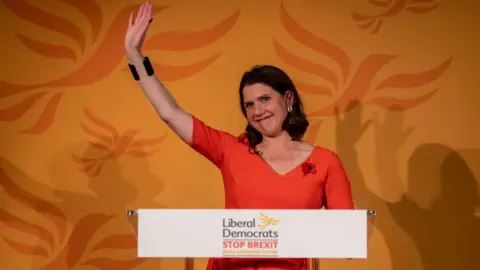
(137, 28)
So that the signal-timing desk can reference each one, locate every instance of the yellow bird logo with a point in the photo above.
(266, 221)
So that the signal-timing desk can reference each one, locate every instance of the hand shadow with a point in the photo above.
(389, 137)
(348, 132)
(350, 129)
(446, 232)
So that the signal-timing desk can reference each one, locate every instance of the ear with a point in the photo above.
(289, 98)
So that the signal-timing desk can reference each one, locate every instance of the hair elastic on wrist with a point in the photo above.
(148, 68)
(134, 72)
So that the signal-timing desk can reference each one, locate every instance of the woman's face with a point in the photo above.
(266, 109)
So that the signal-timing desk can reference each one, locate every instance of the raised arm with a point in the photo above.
(208, 141)
(164, 103)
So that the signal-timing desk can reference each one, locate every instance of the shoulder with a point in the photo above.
(200, 127)
(318, 153)
(324, 154)
(315, 149)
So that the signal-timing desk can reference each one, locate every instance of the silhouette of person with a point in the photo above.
(446, 233)
(437, 211)
(105, 189)
(77, 216)
(112, 196)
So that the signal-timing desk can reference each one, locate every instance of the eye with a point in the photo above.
(248, 105)
(264, 99)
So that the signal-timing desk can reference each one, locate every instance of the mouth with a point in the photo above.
(263, 118)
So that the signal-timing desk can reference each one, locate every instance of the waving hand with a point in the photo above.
(137, 28)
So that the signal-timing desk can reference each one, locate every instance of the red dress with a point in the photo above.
(250, 183)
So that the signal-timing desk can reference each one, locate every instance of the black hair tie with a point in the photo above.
(148, 69)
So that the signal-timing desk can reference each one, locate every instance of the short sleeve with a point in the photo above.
(209, 142)
(338, 192)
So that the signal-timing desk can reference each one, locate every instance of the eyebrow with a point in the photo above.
(259, 97)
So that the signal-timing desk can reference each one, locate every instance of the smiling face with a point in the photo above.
(265, 108)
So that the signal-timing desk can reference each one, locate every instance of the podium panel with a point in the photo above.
(184, 233)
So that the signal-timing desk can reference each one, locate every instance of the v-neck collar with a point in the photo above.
(296, 167)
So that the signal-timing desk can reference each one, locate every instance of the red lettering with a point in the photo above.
(239, 244)
(233, 244)
(263, 244)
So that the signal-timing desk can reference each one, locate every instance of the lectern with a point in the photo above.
(260, 233)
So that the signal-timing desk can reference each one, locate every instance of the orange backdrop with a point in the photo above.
(391, 85)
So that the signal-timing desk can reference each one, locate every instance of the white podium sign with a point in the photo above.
(252, 233)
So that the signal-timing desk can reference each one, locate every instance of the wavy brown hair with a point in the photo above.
(296, 123)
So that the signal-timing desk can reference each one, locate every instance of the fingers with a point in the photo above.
(139, 13)
(149, 12)
(144, 13)
(148, 22)
(130, 19)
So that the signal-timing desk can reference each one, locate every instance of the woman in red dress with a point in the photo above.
(269, 166)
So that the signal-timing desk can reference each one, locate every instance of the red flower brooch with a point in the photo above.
(308, 167)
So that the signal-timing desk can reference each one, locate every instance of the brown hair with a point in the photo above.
(295, 123)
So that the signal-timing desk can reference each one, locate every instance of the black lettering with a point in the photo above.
(231, 223)
(239, 233)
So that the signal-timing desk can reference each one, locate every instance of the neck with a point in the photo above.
(281, 141)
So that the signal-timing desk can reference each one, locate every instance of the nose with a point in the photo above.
(258, 109)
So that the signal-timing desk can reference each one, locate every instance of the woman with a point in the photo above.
(269, 167)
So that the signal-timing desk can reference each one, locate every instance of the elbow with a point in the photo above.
(168, 113)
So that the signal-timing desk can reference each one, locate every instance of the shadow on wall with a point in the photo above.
(68, 229)
(447, 232)
(444, 233)
(349, 130)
